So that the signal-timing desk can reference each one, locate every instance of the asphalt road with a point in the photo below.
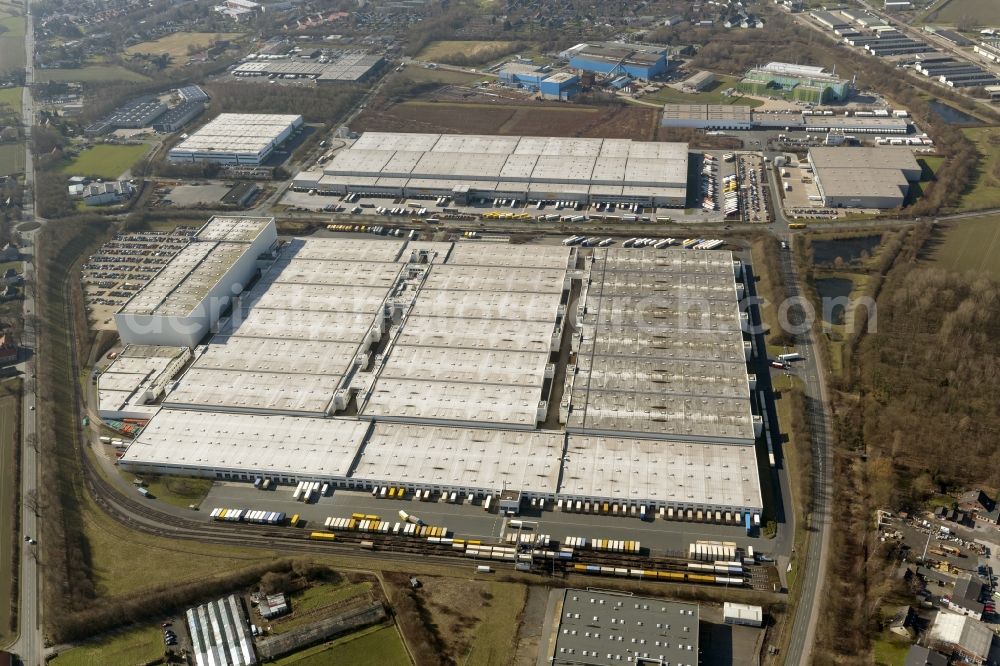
(30, 643)
(812, 564)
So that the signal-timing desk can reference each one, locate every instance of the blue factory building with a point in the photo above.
(561, 85)
(638, 62)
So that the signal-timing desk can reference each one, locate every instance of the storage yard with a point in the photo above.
(123, 266)
(431, 366)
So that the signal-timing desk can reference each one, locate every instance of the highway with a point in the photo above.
(29, 645)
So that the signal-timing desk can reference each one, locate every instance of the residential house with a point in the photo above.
(904, 623)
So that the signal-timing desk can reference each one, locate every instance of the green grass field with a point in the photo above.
(8, 497)
(376, 646)
(442, 76)
(177, 43)
(14, 26)
(890, 651)
(496, 635)
(712, 96)
(90, 74)
(127, 648)
(985, 191)
(468, 48)
(180, 491)
(11, 51)
(970, 245)
(11, 98)
(11, 158)
(105, 160)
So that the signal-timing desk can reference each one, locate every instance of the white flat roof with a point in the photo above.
(182, 284)
(462, 457)
(239, 132)
(638, 470)
(443, 161)
(519, 306)
(474, 366)
(495, 278)
(691, 382)
(137, 370)
(496, 334)
(524, 256)
(422, 400)
(280, 355)
(252, 442)
(303, 325)
(240, 390)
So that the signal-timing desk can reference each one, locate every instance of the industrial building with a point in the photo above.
(470, 167)
(700, 81)
(800, 82)
(432, 365)
(616, 59)
(557, 86)
(179, 115)
(736, 117)
(136, 379)
(966, 638)
(864, 177)
(707, 116)
(744, 614)
(604, 628)
(237, 138)
(133, 114)
(220, 635)
(348, 67)
(181, 303)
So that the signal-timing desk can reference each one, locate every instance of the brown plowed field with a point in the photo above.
(612, 122)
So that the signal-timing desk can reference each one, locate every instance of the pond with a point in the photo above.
(951, 115)
(825, 252)
(833, 294)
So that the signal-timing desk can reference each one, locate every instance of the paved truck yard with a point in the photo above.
(470, 521)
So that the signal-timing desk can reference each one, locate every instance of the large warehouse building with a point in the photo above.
(864, 177)
(433, 366)
(469, 167)
(182, 302)
(237, 138)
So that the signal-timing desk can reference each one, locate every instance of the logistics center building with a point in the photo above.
(864, 177)
(469, 167)
(433, 366)
(237, 138)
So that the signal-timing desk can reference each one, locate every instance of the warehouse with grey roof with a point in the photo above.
(469, 167)
(864, 177)
(434, 365)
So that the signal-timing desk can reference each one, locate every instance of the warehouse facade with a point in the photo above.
(458, 395)
(470, 167)
(237, 138)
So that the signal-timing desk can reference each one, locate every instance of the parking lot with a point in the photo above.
(471, 521)
(753, 202)
(123, 266)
